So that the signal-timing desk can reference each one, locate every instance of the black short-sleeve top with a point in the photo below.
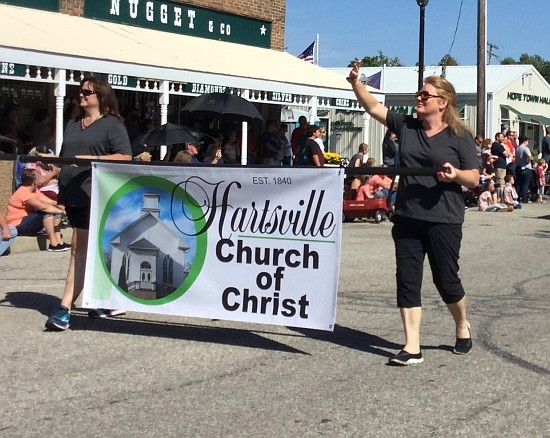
(106, 136)
(424, 197)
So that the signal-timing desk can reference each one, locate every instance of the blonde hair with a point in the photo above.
(183, 157)
(450, 115)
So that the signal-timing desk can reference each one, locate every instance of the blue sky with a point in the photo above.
(356, 28)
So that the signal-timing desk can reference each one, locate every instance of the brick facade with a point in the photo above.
(269, 10)
(71, 7)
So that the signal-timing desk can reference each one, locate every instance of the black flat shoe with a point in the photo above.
(463, 345)
(404, 358)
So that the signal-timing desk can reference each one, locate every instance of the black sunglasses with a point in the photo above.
(424, 95)
(86, 93)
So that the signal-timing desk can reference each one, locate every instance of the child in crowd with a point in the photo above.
(488, 170)
(364, 192)
(542, 167)
(487, 200)
(509, 194)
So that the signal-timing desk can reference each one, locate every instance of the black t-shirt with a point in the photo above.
(498, 150)
(424, 197)
(312, 149)
(106, 136)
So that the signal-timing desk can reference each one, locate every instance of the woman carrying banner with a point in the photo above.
(429, 210)
(95, 134)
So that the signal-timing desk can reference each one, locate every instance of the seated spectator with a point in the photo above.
(46, 174)
(364, 192)
(183, 157)
(231, 150)
(509, 194)
(9, 232)
(29, 211)
(213, 155)
(487, 200)
(380, 185)
(354, 187)
(193, 149)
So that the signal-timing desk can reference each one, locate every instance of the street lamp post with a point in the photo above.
(422, 4)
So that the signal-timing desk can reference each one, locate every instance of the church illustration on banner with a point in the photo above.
(148, 259)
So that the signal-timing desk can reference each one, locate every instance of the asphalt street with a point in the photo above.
(149, 375)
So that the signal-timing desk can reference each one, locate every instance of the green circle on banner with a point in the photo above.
(197, 218)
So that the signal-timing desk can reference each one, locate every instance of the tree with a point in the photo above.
(536, 61)
(448, 60)
(508, 61)
(378, 61)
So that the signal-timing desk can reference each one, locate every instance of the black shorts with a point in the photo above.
(79, 217)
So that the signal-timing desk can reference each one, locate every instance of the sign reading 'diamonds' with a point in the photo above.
(169, 16)
(242, 244)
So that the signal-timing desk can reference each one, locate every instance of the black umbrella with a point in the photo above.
(223, 104)
(4, 139)
(166, 134)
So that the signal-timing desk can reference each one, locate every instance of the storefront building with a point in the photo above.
(157, 55)
(517, 96)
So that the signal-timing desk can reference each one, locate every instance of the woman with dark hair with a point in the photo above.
(96, 133)
(429, 210)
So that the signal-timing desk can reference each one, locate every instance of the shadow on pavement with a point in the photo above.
(169, 330)
(354, 339)
(361, 341)
(38, 301)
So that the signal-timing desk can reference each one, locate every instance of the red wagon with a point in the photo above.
(376, 209)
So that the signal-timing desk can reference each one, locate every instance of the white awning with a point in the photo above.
(74, 43)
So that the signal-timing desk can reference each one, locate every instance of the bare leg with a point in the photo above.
(458, 311)
(411, 318)
(49, 227)
(77, 265)
(57, 231)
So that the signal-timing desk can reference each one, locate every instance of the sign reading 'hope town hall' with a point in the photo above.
(174, 17)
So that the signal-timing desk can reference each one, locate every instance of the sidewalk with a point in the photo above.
(154, 375)
(36, 243)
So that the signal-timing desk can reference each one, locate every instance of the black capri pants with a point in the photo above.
(413, 240)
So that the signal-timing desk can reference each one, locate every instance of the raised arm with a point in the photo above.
(367, 100)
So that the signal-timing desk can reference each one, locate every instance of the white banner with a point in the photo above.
(242, 244)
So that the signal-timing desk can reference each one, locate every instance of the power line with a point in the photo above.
(456, 28)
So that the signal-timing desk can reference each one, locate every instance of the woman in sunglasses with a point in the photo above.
(429, 210)
(96, 133)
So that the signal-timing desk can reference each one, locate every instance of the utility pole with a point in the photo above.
(491, 47)
(481, 44)
(422, 4)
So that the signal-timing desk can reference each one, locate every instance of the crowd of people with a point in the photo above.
(511, 174)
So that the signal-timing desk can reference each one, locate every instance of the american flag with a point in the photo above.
(307, 55)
